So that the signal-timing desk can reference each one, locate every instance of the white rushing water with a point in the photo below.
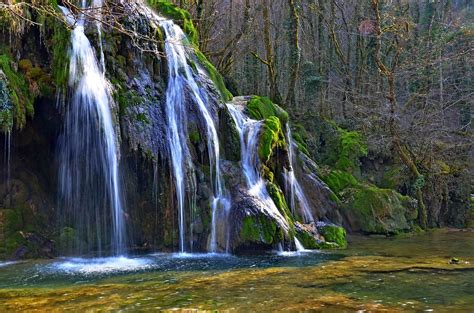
(89, 171)
(181, 79)
(97, 6)
(249, 132)
(293, 188)
(100, 266)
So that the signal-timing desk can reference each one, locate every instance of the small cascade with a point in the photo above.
(181, 80)
(294, 191)
(299, 246)
(89, 186)
(249, 131)
(97, 9)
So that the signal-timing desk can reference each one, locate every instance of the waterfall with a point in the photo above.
(181, 79)
(89, 187)
(293, 188)
(97, 9)
(299, 246)
(249, 132)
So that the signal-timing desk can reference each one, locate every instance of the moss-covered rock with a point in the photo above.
(334, 234)
(179, 15)
(260, 229)
(339, 180)
(6, 105)
(307, 240)
(19, 94)
(214, 75)
(271, 137)
(300, 137)
(351, 147)
(60, 59)
(261, 108)
(381, 211)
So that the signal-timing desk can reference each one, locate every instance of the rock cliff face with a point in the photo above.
(34, 95)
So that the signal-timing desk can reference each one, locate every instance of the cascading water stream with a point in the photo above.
(89, 187)
(249, 131)
(181, 79)
(97, 8)
(293, 188)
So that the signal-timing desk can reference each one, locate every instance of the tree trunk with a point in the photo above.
(295, 54)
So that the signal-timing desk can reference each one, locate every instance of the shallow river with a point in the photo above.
(414, 273)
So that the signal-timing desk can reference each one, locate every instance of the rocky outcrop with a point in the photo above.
(30, 223)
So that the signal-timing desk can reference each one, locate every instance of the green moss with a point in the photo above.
(308, 241)
(339, 148)
(6, 108)
(20, 95)
(335, 234)
(338, 180)
(194, 136)
(60, 62)
(257, 229)
(300, 137)
(352, 147)
(280, 202)
(214, 75)
(271, 137)
(182, 16)
(380, 211)
(142, 117)
(262, 108)
(126, 99)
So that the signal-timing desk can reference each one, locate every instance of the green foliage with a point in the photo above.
(182, 16)
(335, 234)
(214, 75)
(19, 92)
(260, 108)
(419, 182)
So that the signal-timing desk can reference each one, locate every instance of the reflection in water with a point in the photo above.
(374, 274)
